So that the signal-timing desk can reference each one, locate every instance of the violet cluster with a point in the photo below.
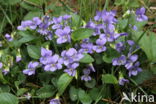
(48, 26)
(129, 61)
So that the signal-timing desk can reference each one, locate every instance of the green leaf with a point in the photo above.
(63, 82)
(87, 59)
(46, 91)
(21, 91)
(109, 79)
(76, 20)
(4, 88)
(7, 98)
(32, 14)
(84, 97)
(34, 51)
(123, 23)
(109, 55)
(10, 2)
(143, 76)
(147, 43)
(73, 92)
(2, 79)
(119, 2)
(37, 2)
(27, 38)
(90, 84)
(81, 34)
(95, 93)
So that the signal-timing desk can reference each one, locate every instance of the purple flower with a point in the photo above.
(130, 42)
(119, 61)
(140, 15)
(71, 69)
(18, 58)
(91, 25)
(66, 17)
(135, 28)
(37, 20)
(31, 68)
(131, 60)
(53, 64)
(5, 71)
(120, 46)
(135, 69)
(1, 65)
(91, 67)
(71, 56)
(43, 29)
(109, 17)
(57, 20)
(25, 24)
(86, 48)
(122, 81)
(8, 37)
(55, 101)
(63, 35)
(45, 55)
(86, 76)
(98, 16)
(99, 47)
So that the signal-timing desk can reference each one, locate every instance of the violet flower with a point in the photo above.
(63, 35)
(55, 101)
(71, 69)
(99, 47)
(86, 76)
(71, 56)
(130, 61)
(53, 63)
(31, 68)
(119, 61)
(8, 37)
(140, 15)
(1, 65)
(45, 55)
(86, 48)
(120, 46)
(18, 58)
(122, 81)
(135, 69)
